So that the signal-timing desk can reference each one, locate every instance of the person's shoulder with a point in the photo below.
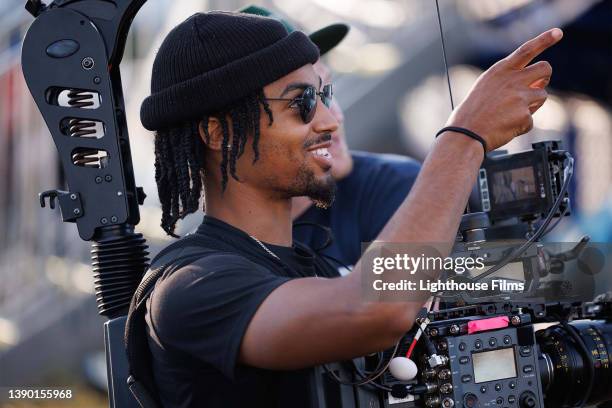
(202, 271)
(368, 163)
(368, 159)
(195, 300)
(223, 259)
(203, 280)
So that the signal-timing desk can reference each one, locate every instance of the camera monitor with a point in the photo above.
(516, 185)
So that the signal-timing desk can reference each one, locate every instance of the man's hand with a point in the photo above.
(501, 102)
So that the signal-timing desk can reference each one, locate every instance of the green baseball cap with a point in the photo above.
(325, 38)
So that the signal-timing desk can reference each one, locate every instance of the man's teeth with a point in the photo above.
(322, 152)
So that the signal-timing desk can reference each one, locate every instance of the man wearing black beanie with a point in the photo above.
(240, 114)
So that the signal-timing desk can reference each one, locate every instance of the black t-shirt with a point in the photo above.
(365, 201)
(196, 318)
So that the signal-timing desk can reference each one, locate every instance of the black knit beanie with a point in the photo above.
(214, 59)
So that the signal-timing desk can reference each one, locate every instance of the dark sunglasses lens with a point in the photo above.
(308, 104)
(327, 95)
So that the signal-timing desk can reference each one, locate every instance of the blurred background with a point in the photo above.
(389, 78)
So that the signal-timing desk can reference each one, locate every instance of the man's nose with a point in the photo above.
(337, 112)
(324, 120)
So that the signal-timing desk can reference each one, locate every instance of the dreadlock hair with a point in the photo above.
(179, 156)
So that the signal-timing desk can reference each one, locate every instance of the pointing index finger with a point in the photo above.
(524, 54)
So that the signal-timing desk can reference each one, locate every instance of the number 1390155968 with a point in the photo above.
(38, 393)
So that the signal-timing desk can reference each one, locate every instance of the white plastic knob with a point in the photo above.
(404, 369)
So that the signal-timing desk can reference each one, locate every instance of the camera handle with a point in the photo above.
(70, 60)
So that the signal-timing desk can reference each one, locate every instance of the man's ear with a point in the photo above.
(212, 134)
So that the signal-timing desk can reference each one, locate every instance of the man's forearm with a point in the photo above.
(430, 215)
(432, 211)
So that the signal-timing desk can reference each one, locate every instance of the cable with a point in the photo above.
(568, 172)
(378, 365)
(334, 259)
(367, 379)
(448, 80)
(450, 91)
(567, 176)
(431, 349)
(363, 374)
(563, 212)
(417, 336)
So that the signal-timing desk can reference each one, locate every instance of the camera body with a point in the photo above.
(491, 354)
(485, 348)
(481, 360)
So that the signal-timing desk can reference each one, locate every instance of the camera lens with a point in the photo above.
(565, 369)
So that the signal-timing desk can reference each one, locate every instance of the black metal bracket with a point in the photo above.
(35, 7)
(72, 52)
(70, 203)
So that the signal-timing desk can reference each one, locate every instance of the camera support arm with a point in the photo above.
(70, 61)
(76, 47)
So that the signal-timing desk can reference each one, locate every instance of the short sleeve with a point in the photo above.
(385, 191)
(203, 309)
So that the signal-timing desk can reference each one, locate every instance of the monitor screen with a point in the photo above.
(514, 185)
(494, 365)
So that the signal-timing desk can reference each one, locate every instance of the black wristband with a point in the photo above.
(466, 132)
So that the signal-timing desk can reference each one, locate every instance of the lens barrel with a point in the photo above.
(565, 368)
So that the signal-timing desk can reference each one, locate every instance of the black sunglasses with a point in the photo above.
(307, 101)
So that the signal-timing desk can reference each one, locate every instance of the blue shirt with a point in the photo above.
(366, 199)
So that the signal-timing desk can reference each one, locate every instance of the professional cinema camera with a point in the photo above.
(487, 355)
(484, 348)
(490, 355)
(481, 348)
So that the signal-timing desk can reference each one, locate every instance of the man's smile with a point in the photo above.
(321, 155)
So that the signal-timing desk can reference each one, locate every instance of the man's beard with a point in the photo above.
(322, 192)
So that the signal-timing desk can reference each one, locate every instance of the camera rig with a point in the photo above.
(70, 60)
(506, 354)
(520, 195)
(483, 348)
(490, 355)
